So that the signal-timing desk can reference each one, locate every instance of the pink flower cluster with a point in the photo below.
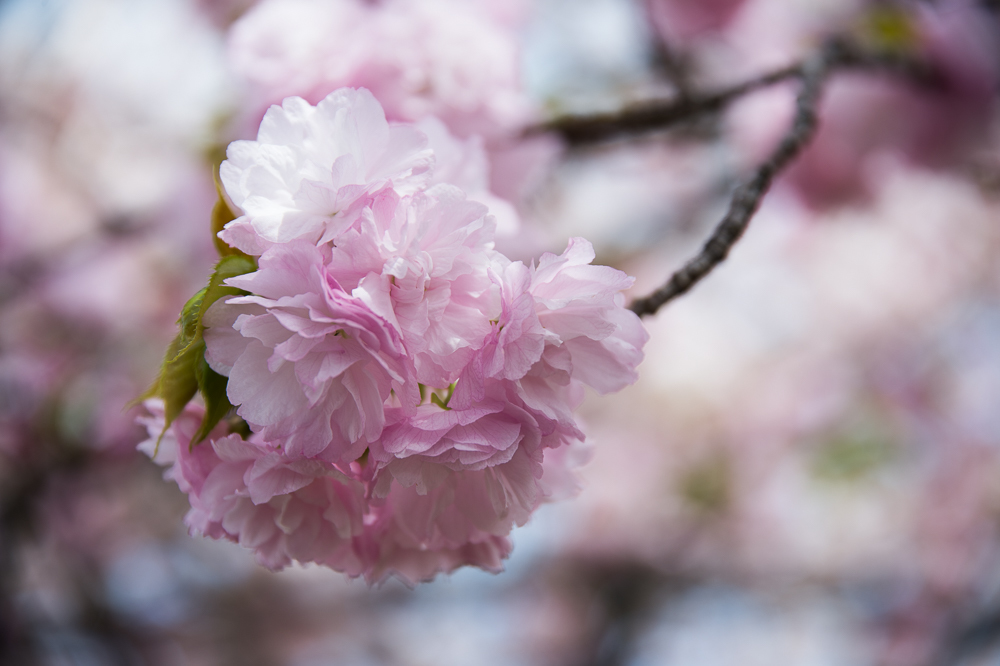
(454, 63)
(409, 389)
(456, 60)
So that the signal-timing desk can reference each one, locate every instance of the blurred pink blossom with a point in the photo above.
(455, 61)
(681, 20)
(867, 118)
(448, 58)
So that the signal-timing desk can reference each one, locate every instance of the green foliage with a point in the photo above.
(851, 456)
(213, 391)
(707, 485)
(176, 384)
(222, 215)
(185, 371)
(229, 266)
(889, 28)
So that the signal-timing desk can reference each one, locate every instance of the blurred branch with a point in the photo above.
(968, 638)
(747, 197)
(675, 65)
(29, 476)
(657, 115)
(813, 74)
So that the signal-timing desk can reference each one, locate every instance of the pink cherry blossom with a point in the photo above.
(309, 363)
(514, 343)
(517, 338)
(452, 66)
(583, 307)
(434, 248)
(409, 390)
(310, 168)
(681, 20)
(455, 483)
(465, 164)
(447, 58)
(415, 536)
(284, 510)
(422, 449)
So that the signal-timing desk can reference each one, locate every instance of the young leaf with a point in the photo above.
(184, 371)
(211, 384)
(213, 389)
(229, 266)
(222, 214)
(177, 383)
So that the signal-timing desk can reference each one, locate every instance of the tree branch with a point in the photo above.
(747, 197)
(813, 74)
(655, 115)
(651, 116)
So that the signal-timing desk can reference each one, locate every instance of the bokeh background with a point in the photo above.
(808, 470)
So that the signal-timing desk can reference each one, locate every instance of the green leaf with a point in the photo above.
(213, 389)
(177, 383)
(171, 379)
(185, 371)
(190, 319)
(229, 266)
(222, 214)
(211, 384)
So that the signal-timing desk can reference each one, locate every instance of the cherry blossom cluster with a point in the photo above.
(457, 60)
(409, 390)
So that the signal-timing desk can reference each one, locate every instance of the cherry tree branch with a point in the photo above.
(657, 115)
(581, 130)
(747, 197)
(813, 74)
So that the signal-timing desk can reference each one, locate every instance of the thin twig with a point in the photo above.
(656, 115)
(747, 197)
(813, 74)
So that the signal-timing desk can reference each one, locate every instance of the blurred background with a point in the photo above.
(807, 472)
